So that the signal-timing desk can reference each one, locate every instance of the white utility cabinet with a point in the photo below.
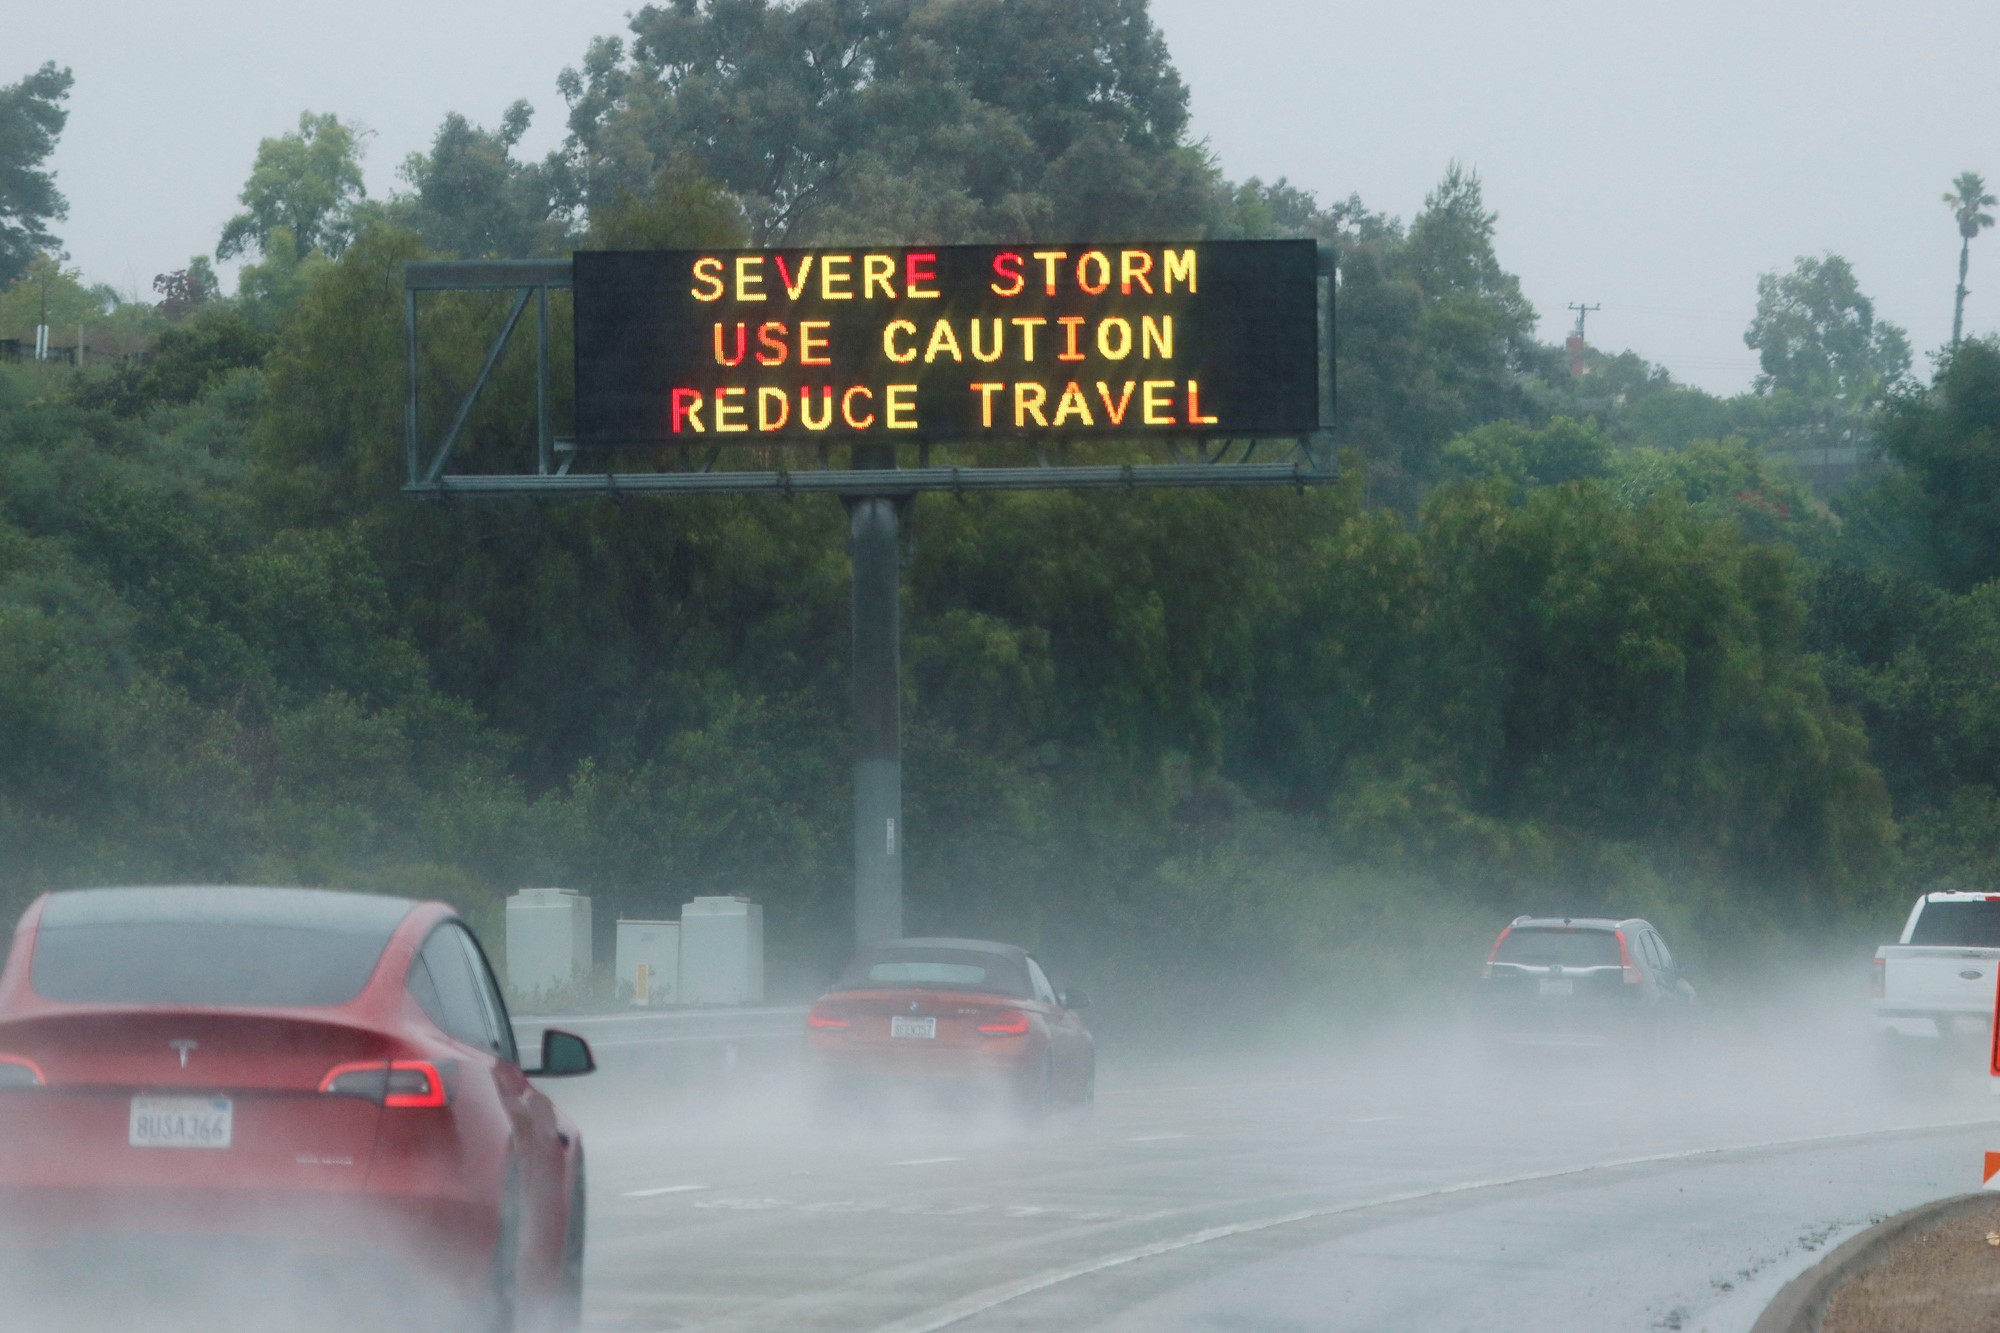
(722, 951)
(655, 946)
(548, 939)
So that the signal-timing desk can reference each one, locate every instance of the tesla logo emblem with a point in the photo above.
(184, 1046)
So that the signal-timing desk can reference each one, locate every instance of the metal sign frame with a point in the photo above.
(876, 491)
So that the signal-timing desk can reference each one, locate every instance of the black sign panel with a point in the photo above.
(946, 343)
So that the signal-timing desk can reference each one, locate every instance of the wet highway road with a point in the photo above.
(1405, 1186)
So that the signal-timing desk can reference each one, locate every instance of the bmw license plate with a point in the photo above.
(1558, 986)
(924, 1028)
(181, 1122)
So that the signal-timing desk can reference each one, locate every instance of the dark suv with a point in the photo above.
(1584, 981)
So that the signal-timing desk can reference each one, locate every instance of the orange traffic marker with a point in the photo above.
(1992, 1171)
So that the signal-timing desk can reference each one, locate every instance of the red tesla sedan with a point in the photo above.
(287, 1072)
(952, 1015)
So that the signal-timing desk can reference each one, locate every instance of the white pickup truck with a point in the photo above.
(1941, 976)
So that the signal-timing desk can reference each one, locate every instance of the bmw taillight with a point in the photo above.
(1006, 1023)
(396, 1083)
(18, 1071)
(1879, 988)
(820, 1016)
(1629, 972)
(1486, 972)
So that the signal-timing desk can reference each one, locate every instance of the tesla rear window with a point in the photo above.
(1535, 947)
(1973, 925)
(203, 963)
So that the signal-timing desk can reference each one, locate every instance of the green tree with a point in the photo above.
(303, 185)
(1817, 338)
(1431, 337)
(471, 198)
(1967, 200)
(46, 285)
(1947, 438)
(32, 116)
(896, 118)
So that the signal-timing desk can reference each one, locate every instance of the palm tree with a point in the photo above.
(1967, 197)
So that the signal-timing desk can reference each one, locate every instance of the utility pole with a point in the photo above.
(1575, 343)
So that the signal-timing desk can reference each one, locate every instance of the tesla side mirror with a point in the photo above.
(564, 1055)
(1074, 998)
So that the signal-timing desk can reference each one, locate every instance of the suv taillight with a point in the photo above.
(1486, 970)
(1627, 970)
(18, 1071)
(396, 1083)
(1879, 987)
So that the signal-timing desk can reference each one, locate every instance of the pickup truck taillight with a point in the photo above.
(1879, 987)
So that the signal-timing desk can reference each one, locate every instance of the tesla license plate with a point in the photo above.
(925, 1028)
(1558, 986)
(181, 1122)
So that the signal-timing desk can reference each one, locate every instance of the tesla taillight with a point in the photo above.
(1006, 1023)
(821, 1017)
(397, 1083)
(1630, 973)
(18, 1071)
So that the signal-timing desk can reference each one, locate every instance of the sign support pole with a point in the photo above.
(875, 548)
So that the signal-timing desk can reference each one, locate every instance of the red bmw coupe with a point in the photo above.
(285, 1072)
(953, 1016)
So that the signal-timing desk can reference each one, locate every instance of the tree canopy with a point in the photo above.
(1817, 338)
(896, 119)
(32, 116)
(301, 193)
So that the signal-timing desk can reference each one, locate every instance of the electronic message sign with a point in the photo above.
(962, 343)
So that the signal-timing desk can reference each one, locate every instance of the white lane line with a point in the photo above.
(664, 1189)
(657, 1016)
(927, 1161)
(709, 1039)
(1156, 1138)
(1373, 1119)
(944, 1316)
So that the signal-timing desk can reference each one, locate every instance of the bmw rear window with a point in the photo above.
(937, 969)
(227, 948)
(1543, 946)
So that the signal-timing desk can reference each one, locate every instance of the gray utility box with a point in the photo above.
(722, 951)
(548, 939)
(655, 946)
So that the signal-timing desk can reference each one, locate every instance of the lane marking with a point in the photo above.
(1149, 1090)
(664, 1016)
(927, 1161)
(664, 1189)
(957, 1312)
(707, 1039)
(1156, 1138)
(1373, 1119)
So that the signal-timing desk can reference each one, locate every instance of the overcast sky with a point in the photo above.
(1649, 158)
